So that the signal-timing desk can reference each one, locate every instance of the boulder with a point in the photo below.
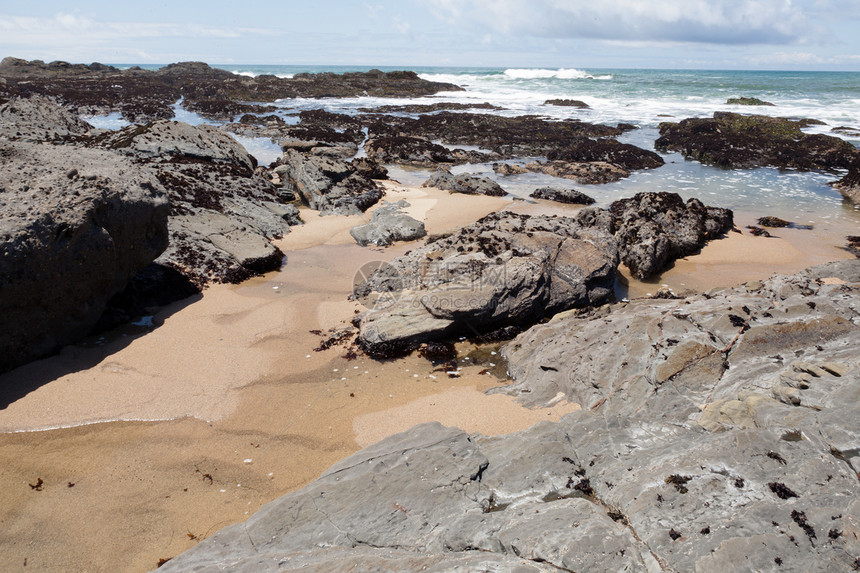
(747, 101)
(464, 183)
(849, 185)
(654, 229)
(506, 269)
(568, 103)
(624, 155)
(328, 185)
(570, 196)
(76, 225)
(388, 224)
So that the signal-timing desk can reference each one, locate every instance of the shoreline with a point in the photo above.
(257, 410)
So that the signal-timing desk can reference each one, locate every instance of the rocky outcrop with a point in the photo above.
(747, 101)
(744, 141)
(506, 269)
(76, 225)
(223, 214)
(412, 150)
(654, 229)
(464, 183)
(579, 104)
(388, 224)
(570, 196)
(719, 434)
(584, 150)
(331, 186)
(38, 119)
(583, 173)
(849, 185)
(144, 95)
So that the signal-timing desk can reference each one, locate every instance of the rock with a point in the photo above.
(38, 119)
(773, 222)
(562, 195)
(849, 185)
(144, 95)
(747, 101)
(328, 185)
(624, 155)
(428, 108)
(388, 224)
(71, 239)
(854, 245)
(744, 141)
(679, 461)
(583, 173)
(506, 269)
(223, 214)
(654, 229)
(567, 103)
(369, 169)
(407, 150)
(464, 183)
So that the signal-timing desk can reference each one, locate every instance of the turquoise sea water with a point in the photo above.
(644, 98)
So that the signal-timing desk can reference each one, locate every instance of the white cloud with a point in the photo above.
(697, 21)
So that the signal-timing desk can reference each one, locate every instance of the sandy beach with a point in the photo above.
(129, 449)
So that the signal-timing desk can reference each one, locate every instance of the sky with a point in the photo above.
(689, 34)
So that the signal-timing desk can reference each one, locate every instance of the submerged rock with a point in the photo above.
(76, 225)
(747, 101)
(388, 224)
(506, 269)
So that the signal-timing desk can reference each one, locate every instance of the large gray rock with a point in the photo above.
(75, 226)
(506, 269)
(223, 213)
(39, 119)
(331, 186)
(388, 224)
(677, 462)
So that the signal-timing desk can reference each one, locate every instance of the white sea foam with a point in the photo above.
(561, 73)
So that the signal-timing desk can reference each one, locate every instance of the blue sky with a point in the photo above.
(707, 34)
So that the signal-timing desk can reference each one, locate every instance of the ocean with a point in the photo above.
(644, 98)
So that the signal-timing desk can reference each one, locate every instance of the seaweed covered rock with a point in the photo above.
(506, 269)
(464, 183)
(328, 185)
(625, 155)
(76, 225)
(584, 173)
(743, 141)
(849, 185)
(414, 150)
(743, 100)
(223, 214)
(571, 196)
(388, 224)
(654, 229)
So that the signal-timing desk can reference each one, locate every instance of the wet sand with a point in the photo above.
(148, 443)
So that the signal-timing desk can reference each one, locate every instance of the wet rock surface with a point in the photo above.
(654, 229)
(720, 434)
(849, 185)
(506, 269)
(388, 224)
(583, 173)
(744, 141)
(75, 226)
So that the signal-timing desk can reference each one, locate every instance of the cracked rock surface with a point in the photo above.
(718, 433)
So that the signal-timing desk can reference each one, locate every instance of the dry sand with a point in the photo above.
(160, 439)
